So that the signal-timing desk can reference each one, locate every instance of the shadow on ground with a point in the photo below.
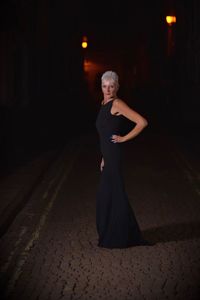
(173, 232)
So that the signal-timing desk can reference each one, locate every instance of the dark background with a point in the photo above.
(50, 86)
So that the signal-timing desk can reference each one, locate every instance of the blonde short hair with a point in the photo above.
(111, 75)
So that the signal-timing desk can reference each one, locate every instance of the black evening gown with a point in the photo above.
(116, 224)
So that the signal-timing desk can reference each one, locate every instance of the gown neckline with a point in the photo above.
(108, 102)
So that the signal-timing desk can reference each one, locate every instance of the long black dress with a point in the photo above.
(116, 224)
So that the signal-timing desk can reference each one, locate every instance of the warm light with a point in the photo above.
(84, 45)
(170, 20)
(84, 42)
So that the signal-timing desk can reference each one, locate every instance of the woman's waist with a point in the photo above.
(109, 146)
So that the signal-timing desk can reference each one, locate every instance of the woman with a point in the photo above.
(116, 224)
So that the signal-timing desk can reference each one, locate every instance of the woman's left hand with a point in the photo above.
(117, 138)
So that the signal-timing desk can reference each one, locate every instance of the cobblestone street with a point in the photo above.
(50, 251)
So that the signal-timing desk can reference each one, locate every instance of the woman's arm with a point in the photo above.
(102, 164)
(121, 108)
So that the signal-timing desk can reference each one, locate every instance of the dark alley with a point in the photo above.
(50, 96)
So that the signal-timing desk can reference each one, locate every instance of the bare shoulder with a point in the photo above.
(120, 104)
(118, 100)
(124, 109)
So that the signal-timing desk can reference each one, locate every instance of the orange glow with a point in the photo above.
(84, 45)
(170, 20)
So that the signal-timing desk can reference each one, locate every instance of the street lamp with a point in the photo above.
(171, 20)
(84, 43)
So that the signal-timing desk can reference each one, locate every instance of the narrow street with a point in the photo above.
(50, 252)
(53, 57)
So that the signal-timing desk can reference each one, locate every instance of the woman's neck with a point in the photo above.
(106, 99)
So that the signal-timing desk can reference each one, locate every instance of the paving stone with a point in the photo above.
(65, 262)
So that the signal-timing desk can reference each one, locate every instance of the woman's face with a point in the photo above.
(109, 88)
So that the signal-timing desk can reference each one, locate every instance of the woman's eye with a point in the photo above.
(110, 86)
